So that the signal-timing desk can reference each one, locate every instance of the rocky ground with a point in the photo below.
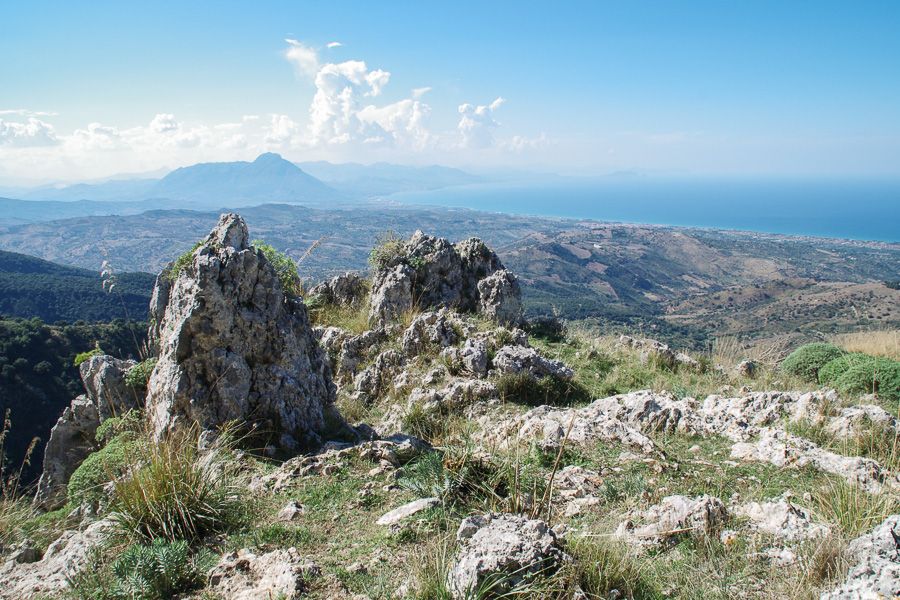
(413, 436)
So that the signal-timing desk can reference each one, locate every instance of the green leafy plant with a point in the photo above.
(285, 268)
(805, 361)
(182, 262)
(138, 375)
(861, 373)
(104, 465)
(84, 356)
(388, 248)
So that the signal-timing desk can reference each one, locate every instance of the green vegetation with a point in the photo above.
(157, 571)
(388, 248)
(106, 464)
(182, 262)
(84, 356)
(31, 287)
(285, 268)
(138, 375)
(806, 360)
(857, 373)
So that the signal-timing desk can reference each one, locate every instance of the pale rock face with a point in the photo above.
(502, 546)
(244, 575)
(472, 357)
(875, 564)
(674, 517)
(347, 289)
(233, 346)
(430, 272)
(430, 330)
(72, 439)
(377, 377)
(63, 559)
(519, 359)
(104, 380)
(783, 519)
(850, 421)
(746, 368)
(407, 510)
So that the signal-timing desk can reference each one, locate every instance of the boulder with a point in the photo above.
(676, 516)
(407, 510)
(347, 289)
(72, 439)
(430, 272)
(782, 519)
(501, 550)
(430, 330)
(874, 564)
(104, 380)
(245, 575)
(747, 368)
(519, 359)
(235, 346)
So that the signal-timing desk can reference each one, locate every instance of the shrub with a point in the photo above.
(285, 268)
(113, 426)
(138, 375)
(387, 250)
(156, 571)
(830, 371)
(880, 376)
(805, 361)
(181, 263)
(105, 465)
(178, 491)
(83, 356)
(522, 388)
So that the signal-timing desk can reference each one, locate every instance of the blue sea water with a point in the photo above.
(862, 210)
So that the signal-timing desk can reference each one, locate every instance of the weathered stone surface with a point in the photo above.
(234, 346)
(852, 420)
(104, 380)
(290, 511)
(72, 439)
(671, 519)
(432, 273)
(520, 359)
(354, 350)
(245, 575)
(874, 565)
(472, 357)
(747, 368)
(375, 379)
(785, 450)
(63, 559)
(505, 548)
(347, 289)
(783, 519)
(407, 510)
(430, 330)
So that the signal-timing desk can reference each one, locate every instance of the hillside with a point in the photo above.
(31, 287)
(625, 276)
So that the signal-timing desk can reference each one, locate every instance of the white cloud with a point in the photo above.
(333, 45)
(304, 58)
(402, 123)
(33, 132)
(477, 124)
(419, 92)
(519, 143)
(24, 112)
(95, 137)
(282, 132)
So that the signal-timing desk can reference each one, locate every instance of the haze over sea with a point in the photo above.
(852, 209)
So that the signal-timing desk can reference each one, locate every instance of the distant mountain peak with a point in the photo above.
(269, 157)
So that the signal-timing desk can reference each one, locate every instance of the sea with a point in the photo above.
(849, 209)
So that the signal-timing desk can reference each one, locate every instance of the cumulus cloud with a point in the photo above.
(282, 132)
(477, 124)
(33, 132)
(96, 137)
(304, 58)
(519, 143)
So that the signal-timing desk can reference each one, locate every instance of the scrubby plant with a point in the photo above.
(105, 465)
(182, 262)
(858, 373)
(805, 361)
(522, 388)
(138, 375)
(84, 356)
(113, 426)
(157, 571)
(285, 268)
(388, 248)
(178, 491)
(851, 508)
(830, 371)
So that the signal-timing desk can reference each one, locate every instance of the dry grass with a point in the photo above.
(885, 342)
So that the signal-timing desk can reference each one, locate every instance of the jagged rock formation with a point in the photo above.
(429, 272)
(671, 519)
(245, 575)
(347, 289)
(234, 346)
(63, 559)
(504, 549)
(783, 519)
(875, 564)
(72, 439)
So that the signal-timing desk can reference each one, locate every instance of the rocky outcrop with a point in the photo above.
(347, 289)
(430, 272)
(783, 519)
(63, 559)
(407, 510)
(104, 379)
(235, 346)
(72, 439)
(874, 564)
(672, 519)
(504, 550)
(245, 575)
(430, 330)
(519, 359)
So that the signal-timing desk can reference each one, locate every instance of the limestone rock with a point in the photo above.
(875, 564)
(245, 575)
(234, 346)
(674, 517)
(375, 379)
(747, 368)
(504, 549)
(519, 359)
(63, 559)
(472, 357)
(104, 380)
(433, 273)
(407, 510)
(430, 330)
(853, 419)
(347, 289)
(72, 439)
(783, 519)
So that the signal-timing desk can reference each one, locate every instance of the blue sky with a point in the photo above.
(697, 88)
